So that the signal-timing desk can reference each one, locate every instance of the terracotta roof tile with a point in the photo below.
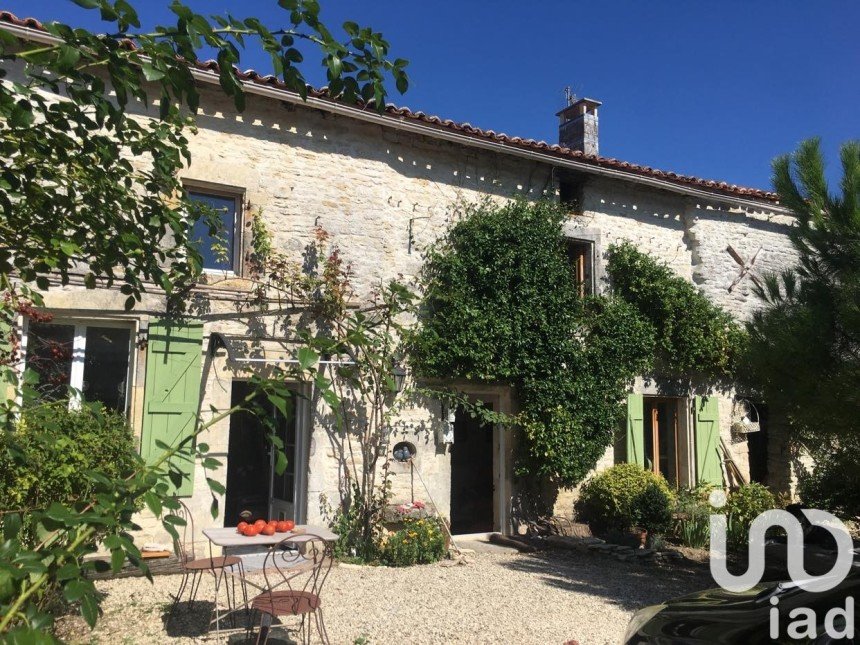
(555, 150)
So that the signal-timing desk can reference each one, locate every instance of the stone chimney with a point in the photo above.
(577, 126)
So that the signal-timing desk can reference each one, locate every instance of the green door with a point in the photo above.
(708, 459)
(636, 429)
(172, 396)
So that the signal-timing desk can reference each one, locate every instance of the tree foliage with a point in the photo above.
(501, 304)
(90, 191)
(805, 342)
(694, 336)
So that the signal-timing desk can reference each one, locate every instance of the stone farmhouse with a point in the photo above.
(382, 185)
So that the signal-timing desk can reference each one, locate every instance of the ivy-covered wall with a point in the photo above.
(501, 305)
(385, 196)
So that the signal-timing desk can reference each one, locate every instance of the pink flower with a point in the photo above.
(418, 504)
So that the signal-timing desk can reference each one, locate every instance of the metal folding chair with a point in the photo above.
(193, 568)
(295, 570)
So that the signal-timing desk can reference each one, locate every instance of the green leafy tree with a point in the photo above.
(804, 353)
(90, 188)
(805, 342)
(501, 305)
(695, 337)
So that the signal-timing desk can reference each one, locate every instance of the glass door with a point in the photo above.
(282, 490)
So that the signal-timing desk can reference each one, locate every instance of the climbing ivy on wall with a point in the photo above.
(501, 304)
(694, 336)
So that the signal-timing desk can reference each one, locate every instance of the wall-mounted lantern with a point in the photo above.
(446, 432)
(399, 373)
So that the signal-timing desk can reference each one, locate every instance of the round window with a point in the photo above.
(403, 451)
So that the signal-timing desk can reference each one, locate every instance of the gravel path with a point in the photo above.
(548, 597)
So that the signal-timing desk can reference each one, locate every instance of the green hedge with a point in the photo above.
(626, 496)
(59, 447)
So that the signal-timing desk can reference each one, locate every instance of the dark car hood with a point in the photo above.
(720, 616)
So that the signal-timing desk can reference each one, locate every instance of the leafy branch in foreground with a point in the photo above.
(68, 163)
(43, 550)
(90, 193)
(809, 328)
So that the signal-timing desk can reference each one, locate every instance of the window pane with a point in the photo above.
(284, 484)
(106, 366)
(217, 250)
(49, 354)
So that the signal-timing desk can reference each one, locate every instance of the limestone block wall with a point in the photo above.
(384, 196)
(366, 185)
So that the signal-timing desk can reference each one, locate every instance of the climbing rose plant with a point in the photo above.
(694, 336)
(501, 304)
(74, 207)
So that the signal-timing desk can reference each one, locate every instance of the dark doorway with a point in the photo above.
(251, 485)
(248, 463)
(471, 476)
(758, 448)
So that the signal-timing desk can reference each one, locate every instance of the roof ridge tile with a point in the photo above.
(390, 109)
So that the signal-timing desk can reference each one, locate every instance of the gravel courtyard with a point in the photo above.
(548, 597)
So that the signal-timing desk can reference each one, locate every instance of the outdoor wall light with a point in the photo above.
(399, 373)
(446, 432)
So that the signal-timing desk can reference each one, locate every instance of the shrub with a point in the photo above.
(625, 496)
(693, 527)
(742, 507)
(60, 447)
(833, 484)
(351, 523)
(420, 541)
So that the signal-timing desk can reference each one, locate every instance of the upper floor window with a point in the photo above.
(92, 360)
(219, 245)
(580, 253)
(571, 192)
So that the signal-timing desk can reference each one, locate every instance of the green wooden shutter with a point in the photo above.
(708, 467)
(636, 429)
(172, 394)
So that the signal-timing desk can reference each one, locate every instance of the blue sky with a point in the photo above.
(712, 89)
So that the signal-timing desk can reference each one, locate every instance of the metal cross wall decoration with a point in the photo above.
(746, 267)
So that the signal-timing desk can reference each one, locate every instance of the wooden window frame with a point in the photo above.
(237, 193)
(652, 402)
(580, 253)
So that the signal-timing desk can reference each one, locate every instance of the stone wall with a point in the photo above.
(384, 196)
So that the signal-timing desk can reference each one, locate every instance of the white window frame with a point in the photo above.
(79, 347)
(238, 195)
